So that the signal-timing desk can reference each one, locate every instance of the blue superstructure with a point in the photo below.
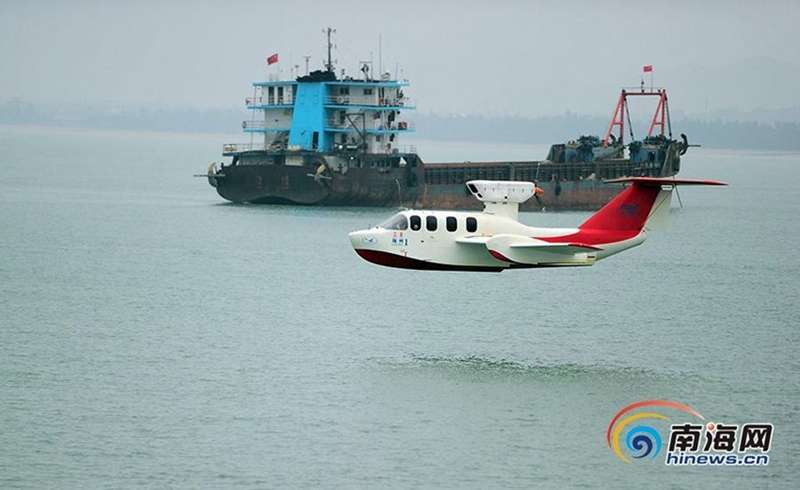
(308, 119)
(322, 114)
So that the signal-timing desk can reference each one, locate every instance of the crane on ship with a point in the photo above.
(660, 119)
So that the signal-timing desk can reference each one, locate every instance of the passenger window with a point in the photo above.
(452, 223)
(472, 225)
(431, 223)
(416, 222)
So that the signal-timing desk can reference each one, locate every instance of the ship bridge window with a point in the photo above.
(452, 223)
(431, 223)
(396, 222)
(472, 225)
(416, 222)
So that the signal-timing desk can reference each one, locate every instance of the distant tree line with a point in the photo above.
(714, 133)
(509, 129)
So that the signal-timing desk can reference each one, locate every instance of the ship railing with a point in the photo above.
(408, 149)
(262, 125)
(369, 101)
(339, 124)
(268, 101)
(346, 124)
(254, 125)
(238, 147)
(230, 148)
(396, 102)
(395, 126)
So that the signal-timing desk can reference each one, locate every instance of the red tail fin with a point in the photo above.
(631, 208)
(626, 212)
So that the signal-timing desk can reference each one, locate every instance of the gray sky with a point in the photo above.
(516, 57)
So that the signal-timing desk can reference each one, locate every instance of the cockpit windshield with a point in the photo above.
(396, 222)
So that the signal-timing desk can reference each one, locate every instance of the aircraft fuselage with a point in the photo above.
(446, 240)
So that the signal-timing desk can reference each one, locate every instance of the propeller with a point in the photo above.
(536, 191)
(319, 176)
(685, 145)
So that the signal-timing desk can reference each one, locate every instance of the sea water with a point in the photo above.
(153, 335)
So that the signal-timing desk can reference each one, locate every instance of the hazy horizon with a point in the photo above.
(505, 58)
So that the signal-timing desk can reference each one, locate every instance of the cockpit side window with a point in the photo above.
(472, 225)
(416, 222)
(396, 222)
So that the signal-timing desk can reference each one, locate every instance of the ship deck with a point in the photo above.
(535, 171)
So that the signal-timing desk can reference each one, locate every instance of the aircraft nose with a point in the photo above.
(363, 239)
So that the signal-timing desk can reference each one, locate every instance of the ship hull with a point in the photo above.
(272, 184)
(410, 183)
(309, 178)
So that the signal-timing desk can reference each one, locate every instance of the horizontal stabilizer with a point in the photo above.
(646, 200)
(658, 181)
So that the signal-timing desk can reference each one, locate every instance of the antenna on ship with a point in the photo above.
(306, 58)
(329, 65)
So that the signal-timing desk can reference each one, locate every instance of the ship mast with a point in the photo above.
(329, 65)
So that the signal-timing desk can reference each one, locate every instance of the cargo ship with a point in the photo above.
(323, 139)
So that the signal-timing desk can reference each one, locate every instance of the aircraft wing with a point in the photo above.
(530, 251)
(473, 240)
(565, 248)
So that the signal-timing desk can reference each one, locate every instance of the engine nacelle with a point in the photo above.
(501, 191)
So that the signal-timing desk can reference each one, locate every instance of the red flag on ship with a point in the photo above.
(647, 68)
(272, 59)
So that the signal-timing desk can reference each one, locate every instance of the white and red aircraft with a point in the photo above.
(494, 240)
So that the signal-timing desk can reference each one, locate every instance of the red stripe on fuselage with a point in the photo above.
(593, 237)
(499, 256)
